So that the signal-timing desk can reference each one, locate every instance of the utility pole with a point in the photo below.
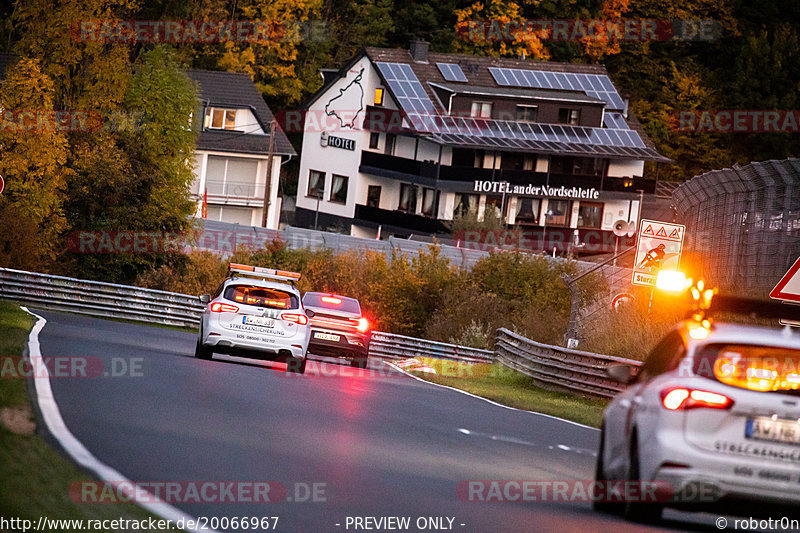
(268, 183)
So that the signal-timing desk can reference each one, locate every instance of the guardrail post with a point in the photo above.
(571, 338)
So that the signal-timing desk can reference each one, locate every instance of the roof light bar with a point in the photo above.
(261, 272)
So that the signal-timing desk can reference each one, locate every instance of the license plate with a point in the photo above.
(764, 428)
(259, 321)
(326, 337)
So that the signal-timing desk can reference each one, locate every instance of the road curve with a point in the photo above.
(376, 443)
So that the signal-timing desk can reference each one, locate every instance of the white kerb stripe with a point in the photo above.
(56, 426)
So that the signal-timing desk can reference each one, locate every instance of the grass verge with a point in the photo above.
(36, 478)
(509, 387)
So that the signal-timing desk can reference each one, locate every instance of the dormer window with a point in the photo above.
(481, 110)
(220, 119)
(569, 116)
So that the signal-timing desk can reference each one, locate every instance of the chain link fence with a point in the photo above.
(742, 224)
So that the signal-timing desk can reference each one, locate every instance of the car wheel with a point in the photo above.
(296, 365)
(639, 511)
(202, 352)
(600, 476)
(359, 361)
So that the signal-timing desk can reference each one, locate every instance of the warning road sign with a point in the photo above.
(658, 247)
(788, 288)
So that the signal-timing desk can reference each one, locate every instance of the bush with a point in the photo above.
(421, 296)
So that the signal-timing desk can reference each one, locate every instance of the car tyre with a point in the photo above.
(600, 477)
(359, 361)
(296, 365)
(201, 351)
(638, 511)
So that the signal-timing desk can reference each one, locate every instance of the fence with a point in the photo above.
(551, 367)
(255, 237)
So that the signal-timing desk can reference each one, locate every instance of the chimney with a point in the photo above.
(419, 51)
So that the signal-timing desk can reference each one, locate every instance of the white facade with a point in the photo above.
(235, 185)
(339, 114)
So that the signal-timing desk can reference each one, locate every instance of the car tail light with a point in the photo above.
(362, 324)
(333, 300)
(219, 307)
(679, 398)
(297, 318)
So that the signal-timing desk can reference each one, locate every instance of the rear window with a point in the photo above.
(329, 301)
(261, 297)
(752, 367)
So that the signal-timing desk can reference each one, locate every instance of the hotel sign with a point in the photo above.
(504, 187)
(337, 142)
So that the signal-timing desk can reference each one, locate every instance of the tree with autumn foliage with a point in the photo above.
(493, 28)
(131, 172)
(32, 163)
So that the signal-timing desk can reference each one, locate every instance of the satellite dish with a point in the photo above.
(620, 228)
(631, 229)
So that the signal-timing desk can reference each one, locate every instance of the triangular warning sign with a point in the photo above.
(648, 230)
(788, 288)
(675, 234)
(661, 232)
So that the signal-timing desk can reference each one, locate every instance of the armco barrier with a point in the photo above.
(556, 368)
(551, 367)
(109, 300)
(391, 346)
(100, 299)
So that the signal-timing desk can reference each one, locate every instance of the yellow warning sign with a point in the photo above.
(658, 247)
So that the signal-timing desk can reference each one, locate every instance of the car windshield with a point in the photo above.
(752, 367)
(331, 301)
(261, 297)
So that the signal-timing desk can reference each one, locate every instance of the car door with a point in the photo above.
(628, 405)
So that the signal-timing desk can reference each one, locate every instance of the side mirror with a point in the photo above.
(204, 298)
(310, 313)
(620, 372)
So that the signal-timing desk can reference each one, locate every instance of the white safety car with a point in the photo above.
(256, 313)
(711, 421)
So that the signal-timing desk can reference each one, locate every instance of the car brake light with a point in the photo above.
(363, 324)
(331, 300)
(219, 307)
(296, 318)
(680, 398)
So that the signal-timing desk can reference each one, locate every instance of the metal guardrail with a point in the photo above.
(109, 300)
(100, 299)
(391, 346)
(551, 367)
(556, 368)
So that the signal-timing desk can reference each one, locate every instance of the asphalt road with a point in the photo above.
(375, 443)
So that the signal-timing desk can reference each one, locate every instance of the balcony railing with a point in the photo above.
(393, 166)
(399, 219)
(235, 189)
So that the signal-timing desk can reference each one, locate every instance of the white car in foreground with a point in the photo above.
(256, 313)
(713, 419)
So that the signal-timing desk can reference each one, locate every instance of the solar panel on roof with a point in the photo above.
(595, 85)
(405, 86)
(614, 120)
(612, 141)
(452, 72)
